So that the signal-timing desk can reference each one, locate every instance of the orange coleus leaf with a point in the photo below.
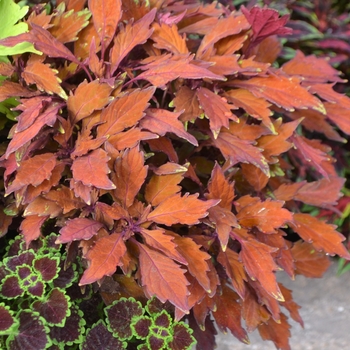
(92, 170)
(66, 25)
(104, 258)
(185, 210)
(164, 144)
(31, 227)
(228, 314)
(314, 156)
(235, 271)
(320, 193)
(238, 150)
(216, 109)
(220, 188)
(43, 77)
(274, 145)
(43, 207)
(279, 333)
(162, 187)
(267, 216)
(87, 98)
(282, 91)
(82, 191)
(164, 69)
(77, 229)
(157, 239)
(130, 138)
(46, 117)
(124, 112)
(338, 113)
(106, 15)
(33, 171)
(255, 176)
(224, 27)
(76, 5)
(308, 261)
(186, 102)
(82, 46)
(290, 304)
(131, 35)
(65, 197)
(323, 236)
(196, 258)
(254, 255)
(161, 121)
(256, 107)
(130, 174)
(162, 277)
(167, 37)
(10, 89)
(224, 220)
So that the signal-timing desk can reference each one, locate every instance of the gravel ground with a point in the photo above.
(325, 310)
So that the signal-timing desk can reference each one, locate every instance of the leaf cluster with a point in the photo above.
(172, 157)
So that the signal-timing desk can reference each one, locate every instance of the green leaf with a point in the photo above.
(10, 14)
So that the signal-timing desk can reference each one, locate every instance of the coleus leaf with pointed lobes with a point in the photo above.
(30, 227)
(228, 314)
(43, 76)
(161, 70)
(216, 109)
(77, 229)
(265, 22)
(285, 92)
(267, 216)
(185, 210)
(92, 170)
(254, 255)
(106, 15)
(33, 171)
(161, 121)
(87, 98)
(323, 236)
(104, 258)
(130, 174)
(167, 37)
(238, 150)
(162, 277)
(321, 193)
(131, 35)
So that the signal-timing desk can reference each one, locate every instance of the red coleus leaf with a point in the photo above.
(104, 258)
(33, 171)
(323, 236)
(267, 216)
(254, 255)
(161, 121)
(162, 277)
(130, 174)
(216, 109)
(167, 68)
(265, 22)
(130, 36)
(77, 229)
(290, 304)
(106, 15)
(124, 112)
(87, 98)
(92, 170)
(185, 210)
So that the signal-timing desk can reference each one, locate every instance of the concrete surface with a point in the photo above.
(325, 310)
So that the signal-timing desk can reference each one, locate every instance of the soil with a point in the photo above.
(325, 310)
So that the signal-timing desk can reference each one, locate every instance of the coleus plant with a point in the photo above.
(41, 308)
(172, 157)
